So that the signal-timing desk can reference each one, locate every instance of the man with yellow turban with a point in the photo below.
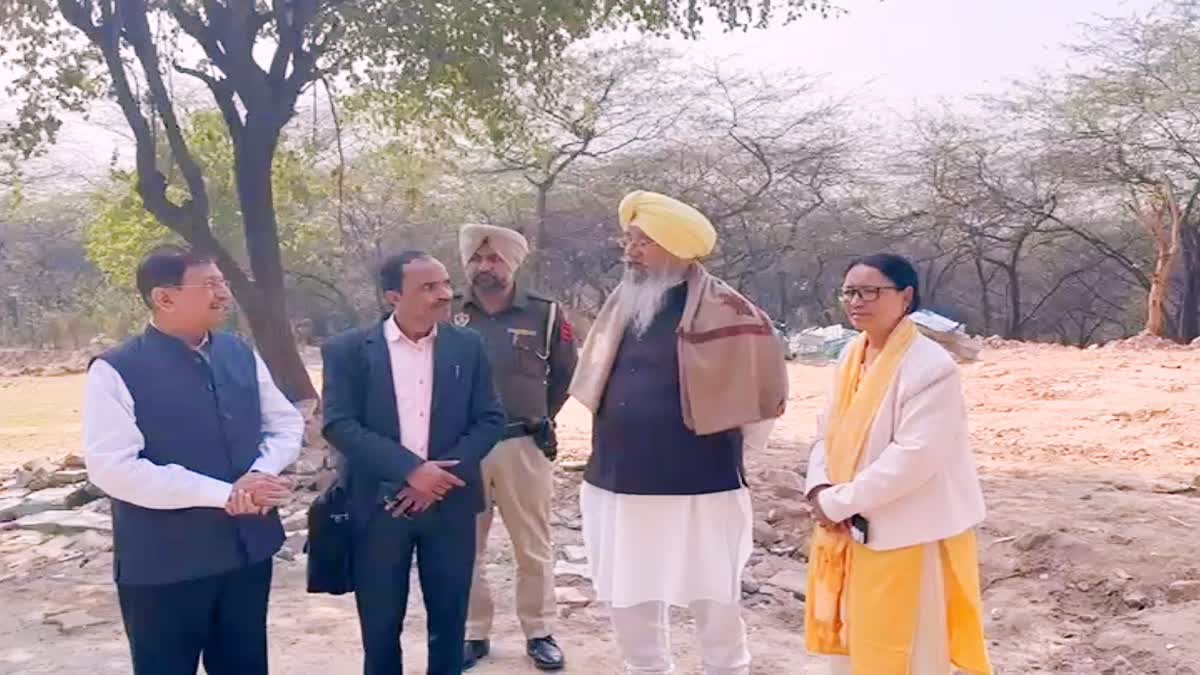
(683, 374)
(531, 347)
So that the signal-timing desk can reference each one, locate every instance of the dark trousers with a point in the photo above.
(222, 619)
(445, 548)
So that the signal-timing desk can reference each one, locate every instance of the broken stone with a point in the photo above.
(785, 484)
(73, 461)
(571, 597)
(1164, 488)
(54, 548)
(764, 534)
(575, 554)
(66, 477)
(1119, 540)
(1032, 540)
(563, 568)
(794, 581)
(10, 509)
(1136, 600)
(1183, 591)
(42, 500)
(750, 586)
(72, 621)
(573, 466)
(296, 521)
(59, 522)
(285, 554)
(304, 467)
(91, 540)
(103, 506)
(35, 474)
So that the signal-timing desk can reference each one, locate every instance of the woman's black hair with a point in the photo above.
(898, 270)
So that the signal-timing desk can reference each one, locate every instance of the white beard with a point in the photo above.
(640, 300)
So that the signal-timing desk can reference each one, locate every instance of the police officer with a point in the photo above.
(531, 347)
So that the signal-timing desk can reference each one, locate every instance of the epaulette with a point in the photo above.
(534, 295)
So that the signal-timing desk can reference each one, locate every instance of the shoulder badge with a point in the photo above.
(461, 319)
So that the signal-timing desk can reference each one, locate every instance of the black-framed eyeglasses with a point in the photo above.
(864, 293)
(210, 284)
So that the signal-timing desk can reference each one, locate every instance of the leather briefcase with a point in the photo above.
(330, 543)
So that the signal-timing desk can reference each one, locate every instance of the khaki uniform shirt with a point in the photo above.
(531, 369)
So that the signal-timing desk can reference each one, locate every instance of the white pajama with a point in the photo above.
(648, 552)
(643, 632)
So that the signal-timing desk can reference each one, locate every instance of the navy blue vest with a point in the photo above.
(640, 444)
(201, 412)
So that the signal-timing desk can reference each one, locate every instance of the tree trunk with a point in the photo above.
(1189, 310)
(985, 300)
(1015, 323)
(1162, 219)
(783, 296)
(536, 264)
(266, 310)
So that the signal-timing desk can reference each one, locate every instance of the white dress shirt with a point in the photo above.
(412, 380)
(112, 443)
(917, 481)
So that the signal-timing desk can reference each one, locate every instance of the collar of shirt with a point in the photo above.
(392, 333)
(202, 347)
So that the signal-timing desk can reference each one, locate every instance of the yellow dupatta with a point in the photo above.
(884, 590)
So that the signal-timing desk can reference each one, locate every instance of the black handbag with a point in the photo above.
(330, 542)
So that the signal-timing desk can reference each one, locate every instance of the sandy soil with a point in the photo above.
(1088, 461)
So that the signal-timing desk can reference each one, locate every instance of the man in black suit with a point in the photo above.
(410, 404)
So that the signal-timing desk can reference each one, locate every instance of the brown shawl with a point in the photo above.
(731, 365)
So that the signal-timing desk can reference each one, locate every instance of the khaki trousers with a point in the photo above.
(519, 481)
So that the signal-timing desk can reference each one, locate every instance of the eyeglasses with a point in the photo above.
(864, 293)
(211, 284)
(628, 242)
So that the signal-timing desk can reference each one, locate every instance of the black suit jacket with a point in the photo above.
(361, 418)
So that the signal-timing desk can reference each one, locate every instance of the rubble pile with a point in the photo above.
(53, 513)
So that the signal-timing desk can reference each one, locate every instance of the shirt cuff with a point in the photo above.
(215, 493)
(263, 465)
(833, 502)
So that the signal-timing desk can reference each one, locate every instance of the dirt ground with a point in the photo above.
(1088, 458)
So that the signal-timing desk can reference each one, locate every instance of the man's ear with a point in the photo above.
(392, 297)
(160, 298)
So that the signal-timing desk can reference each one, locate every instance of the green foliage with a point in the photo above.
(123, 231)
(436, 54)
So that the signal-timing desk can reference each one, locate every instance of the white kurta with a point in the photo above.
(666, 548)
(675, 549)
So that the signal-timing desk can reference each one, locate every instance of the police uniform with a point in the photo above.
(532, 369)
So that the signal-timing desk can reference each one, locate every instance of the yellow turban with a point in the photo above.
(510, 245)
(680, 229)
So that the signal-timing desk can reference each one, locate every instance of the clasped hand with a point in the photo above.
(819, 513)
(428, 484)
(257, 493)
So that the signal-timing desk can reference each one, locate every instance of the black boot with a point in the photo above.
(545, 653)
(473, 650)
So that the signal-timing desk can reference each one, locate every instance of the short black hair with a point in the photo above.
(898, 270)
(391, 272)
(165, 266)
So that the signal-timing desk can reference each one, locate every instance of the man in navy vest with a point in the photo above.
(187, 433)
(410, 404)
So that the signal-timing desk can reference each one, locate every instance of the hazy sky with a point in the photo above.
(914, 52)
(893, 53)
